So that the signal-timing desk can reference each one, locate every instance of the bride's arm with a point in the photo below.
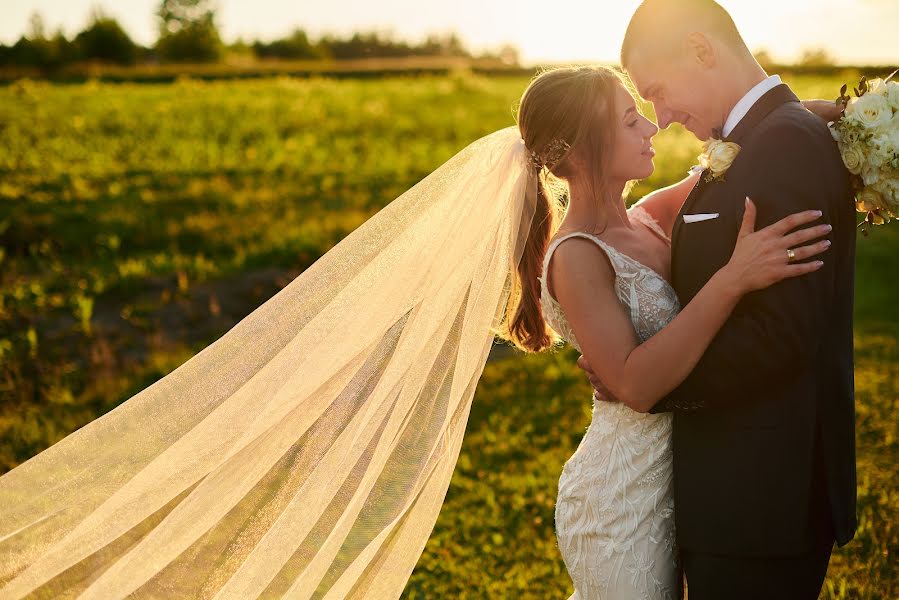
(664, 204)
(639, 375)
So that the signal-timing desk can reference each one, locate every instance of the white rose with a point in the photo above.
(880, 150)
(876, 86)
(892, 95)
(853, 158)
(889, 191)
(870, 174)
(835, 133)
(871, 110)
(887, 144)
(890, 145)
(718, 156)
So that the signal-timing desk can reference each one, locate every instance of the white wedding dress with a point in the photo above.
(615, 510)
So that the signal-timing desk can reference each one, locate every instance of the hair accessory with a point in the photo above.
(551, 155)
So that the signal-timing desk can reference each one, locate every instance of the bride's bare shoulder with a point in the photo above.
(581, 260)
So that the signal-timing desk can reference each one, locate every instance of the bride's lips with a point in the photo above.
(649, 152)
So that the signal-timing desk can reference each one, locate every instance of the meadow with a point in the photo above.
(139, 222)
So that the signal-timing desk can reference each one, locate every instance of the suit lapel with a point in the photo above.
(688, 204)
(770, 100)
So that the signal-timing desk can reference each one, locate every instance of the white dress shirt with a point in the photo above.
(742, 107)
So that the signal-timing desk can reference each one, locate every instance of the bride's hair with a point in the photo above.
(574, 105)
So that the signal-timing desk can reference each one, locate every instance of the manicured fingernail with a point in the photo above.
(827, 243)
(819, 213)
(829, 227)
(819, 263)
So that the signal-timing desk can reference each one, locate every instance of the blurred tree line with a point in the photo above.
(188, 32)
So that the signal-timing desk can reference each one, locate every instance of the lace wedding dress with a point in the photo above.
(615, 510)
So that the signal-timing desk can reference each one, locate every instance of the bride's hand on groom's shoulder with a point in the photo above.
(764, 257)
(601, 391)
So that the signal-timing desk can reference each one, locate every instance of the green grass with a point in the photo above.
(139, 222)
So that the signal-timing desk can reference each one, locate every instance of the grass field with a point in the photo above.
(140, 222)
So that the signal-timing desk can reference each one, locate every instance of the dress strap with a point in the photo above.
(628, 298)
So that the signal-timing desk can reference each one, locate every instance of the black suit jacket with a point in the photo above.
(781, 367)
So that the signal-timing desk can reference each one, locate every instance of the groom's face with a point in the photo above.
(676, 90)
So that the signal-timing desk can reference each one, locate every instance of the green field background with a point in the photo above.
(139, 222)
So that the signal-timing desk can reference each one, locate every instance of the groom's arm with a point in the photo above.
(776, 331)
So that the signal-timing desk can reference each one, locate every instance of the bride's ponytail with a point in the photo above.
(526, 327)
(563, 111)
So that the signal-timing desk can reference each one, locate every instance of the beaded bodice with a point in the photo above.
(650, 299)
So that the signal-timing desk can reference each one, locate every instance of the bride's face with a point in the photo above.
(631, 156)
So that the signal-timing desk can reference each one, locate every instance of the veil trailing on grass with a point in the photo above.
(305, 453)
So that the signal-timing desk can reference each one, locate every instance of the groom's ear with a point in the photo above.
(700, 50)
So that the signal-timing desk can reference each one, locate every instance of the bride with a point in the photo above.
(306, 453)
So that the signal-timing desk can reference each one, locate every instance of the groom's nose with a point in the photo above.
(663, 116)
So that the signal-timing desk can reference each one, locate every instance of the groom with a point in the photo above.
(764, 443)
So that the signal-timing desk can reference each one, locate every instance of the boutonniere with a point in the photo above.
(717, 156)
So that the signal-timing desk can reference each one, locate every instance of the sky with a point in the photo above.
(852, 31)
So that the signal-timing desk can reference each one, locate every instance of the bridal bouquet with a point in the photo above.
(867, 134)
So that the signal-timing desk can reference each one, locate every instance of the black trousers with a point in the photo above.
(715, 577)
(711, 577)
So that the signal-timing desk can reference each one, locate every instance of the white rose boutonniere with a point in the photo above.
(717, 156)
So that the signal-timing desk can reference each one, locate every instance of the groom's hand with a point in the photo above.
(602, 392)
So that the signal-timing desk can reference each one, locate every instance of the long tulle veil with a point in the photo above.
(305, 453)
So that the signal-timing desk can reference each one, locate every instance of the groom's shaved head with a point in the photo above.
(658, 27)
(688, 59)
